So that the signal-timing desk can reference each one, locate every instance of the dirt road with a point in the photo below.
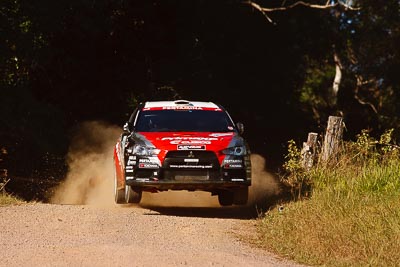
(82, 226)
(40, 234)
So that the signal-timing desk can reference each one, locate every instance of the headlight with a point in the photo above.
(144, 150)
(235, 151)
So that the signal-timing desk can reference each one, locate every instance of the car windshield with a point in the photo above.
(183, 121)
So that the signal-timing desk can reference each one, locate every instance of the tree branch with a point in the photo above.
(259, 8)
(264, 10)
(3, 185)
(360, 82)
(298, 3)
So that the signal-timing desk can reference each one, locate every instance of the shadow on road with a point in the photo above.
(232, 212)
(205, 212)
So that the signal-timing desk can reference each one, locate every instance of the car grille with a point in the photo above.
(191, 166)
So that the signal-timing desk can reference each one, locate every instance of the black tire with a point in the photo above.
(225, 198)
(241, 196)
(132, 196)
(119, 194)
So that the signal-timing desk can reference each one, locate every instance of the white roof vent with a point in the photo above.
(183, 102)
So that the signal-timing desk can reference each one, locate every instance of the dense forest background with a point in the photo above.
(68, 61)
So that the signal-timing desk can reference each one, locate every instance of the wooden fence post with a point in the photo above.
(308, 151)
(333, 136)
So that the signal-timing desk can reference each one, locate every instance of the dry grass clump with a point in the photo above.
(7, 199)
(352, 217)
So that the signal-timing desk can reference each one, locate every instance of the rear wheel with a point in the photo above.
(119, 194)
(225, 198)
(241, 196)
(132, 196)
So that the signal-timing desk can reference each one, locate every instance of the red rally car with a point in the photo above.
(182, 145)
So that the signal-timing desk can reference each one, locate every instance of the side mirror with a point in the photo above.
(126, 127)
(240, 127)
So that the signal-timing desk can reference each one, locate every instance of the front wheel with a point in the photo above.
(132, 196)
(241, 196)
(119, 194)
(225, 198)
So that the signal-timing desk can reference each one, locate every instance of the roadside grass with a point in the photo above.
(351, 215)
(7, 199)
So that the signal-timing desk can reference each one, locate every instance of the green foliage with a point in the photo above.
(314, 94)
(293, 158)
(368, 148)
(295, 176)
(32, 132)
(366, 43)
(365, 166)
(352, 218)
(21, 42)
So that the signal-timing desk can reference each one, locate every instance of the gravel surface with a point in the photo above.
(82, 226)
(39, 234)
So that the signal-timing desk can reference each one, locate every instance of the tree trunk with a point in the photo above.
(333, 137)
(309, 151)
(337, 80)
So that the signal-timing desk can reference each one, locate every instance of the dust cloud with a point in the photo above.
(89, 180)
(91, 172)
(264, 185)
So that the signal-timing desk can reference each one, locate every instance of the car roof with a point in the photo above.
(178, 103)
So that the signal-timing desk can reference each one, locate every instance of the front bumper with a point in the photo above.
(190, 185)
(179, 171)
